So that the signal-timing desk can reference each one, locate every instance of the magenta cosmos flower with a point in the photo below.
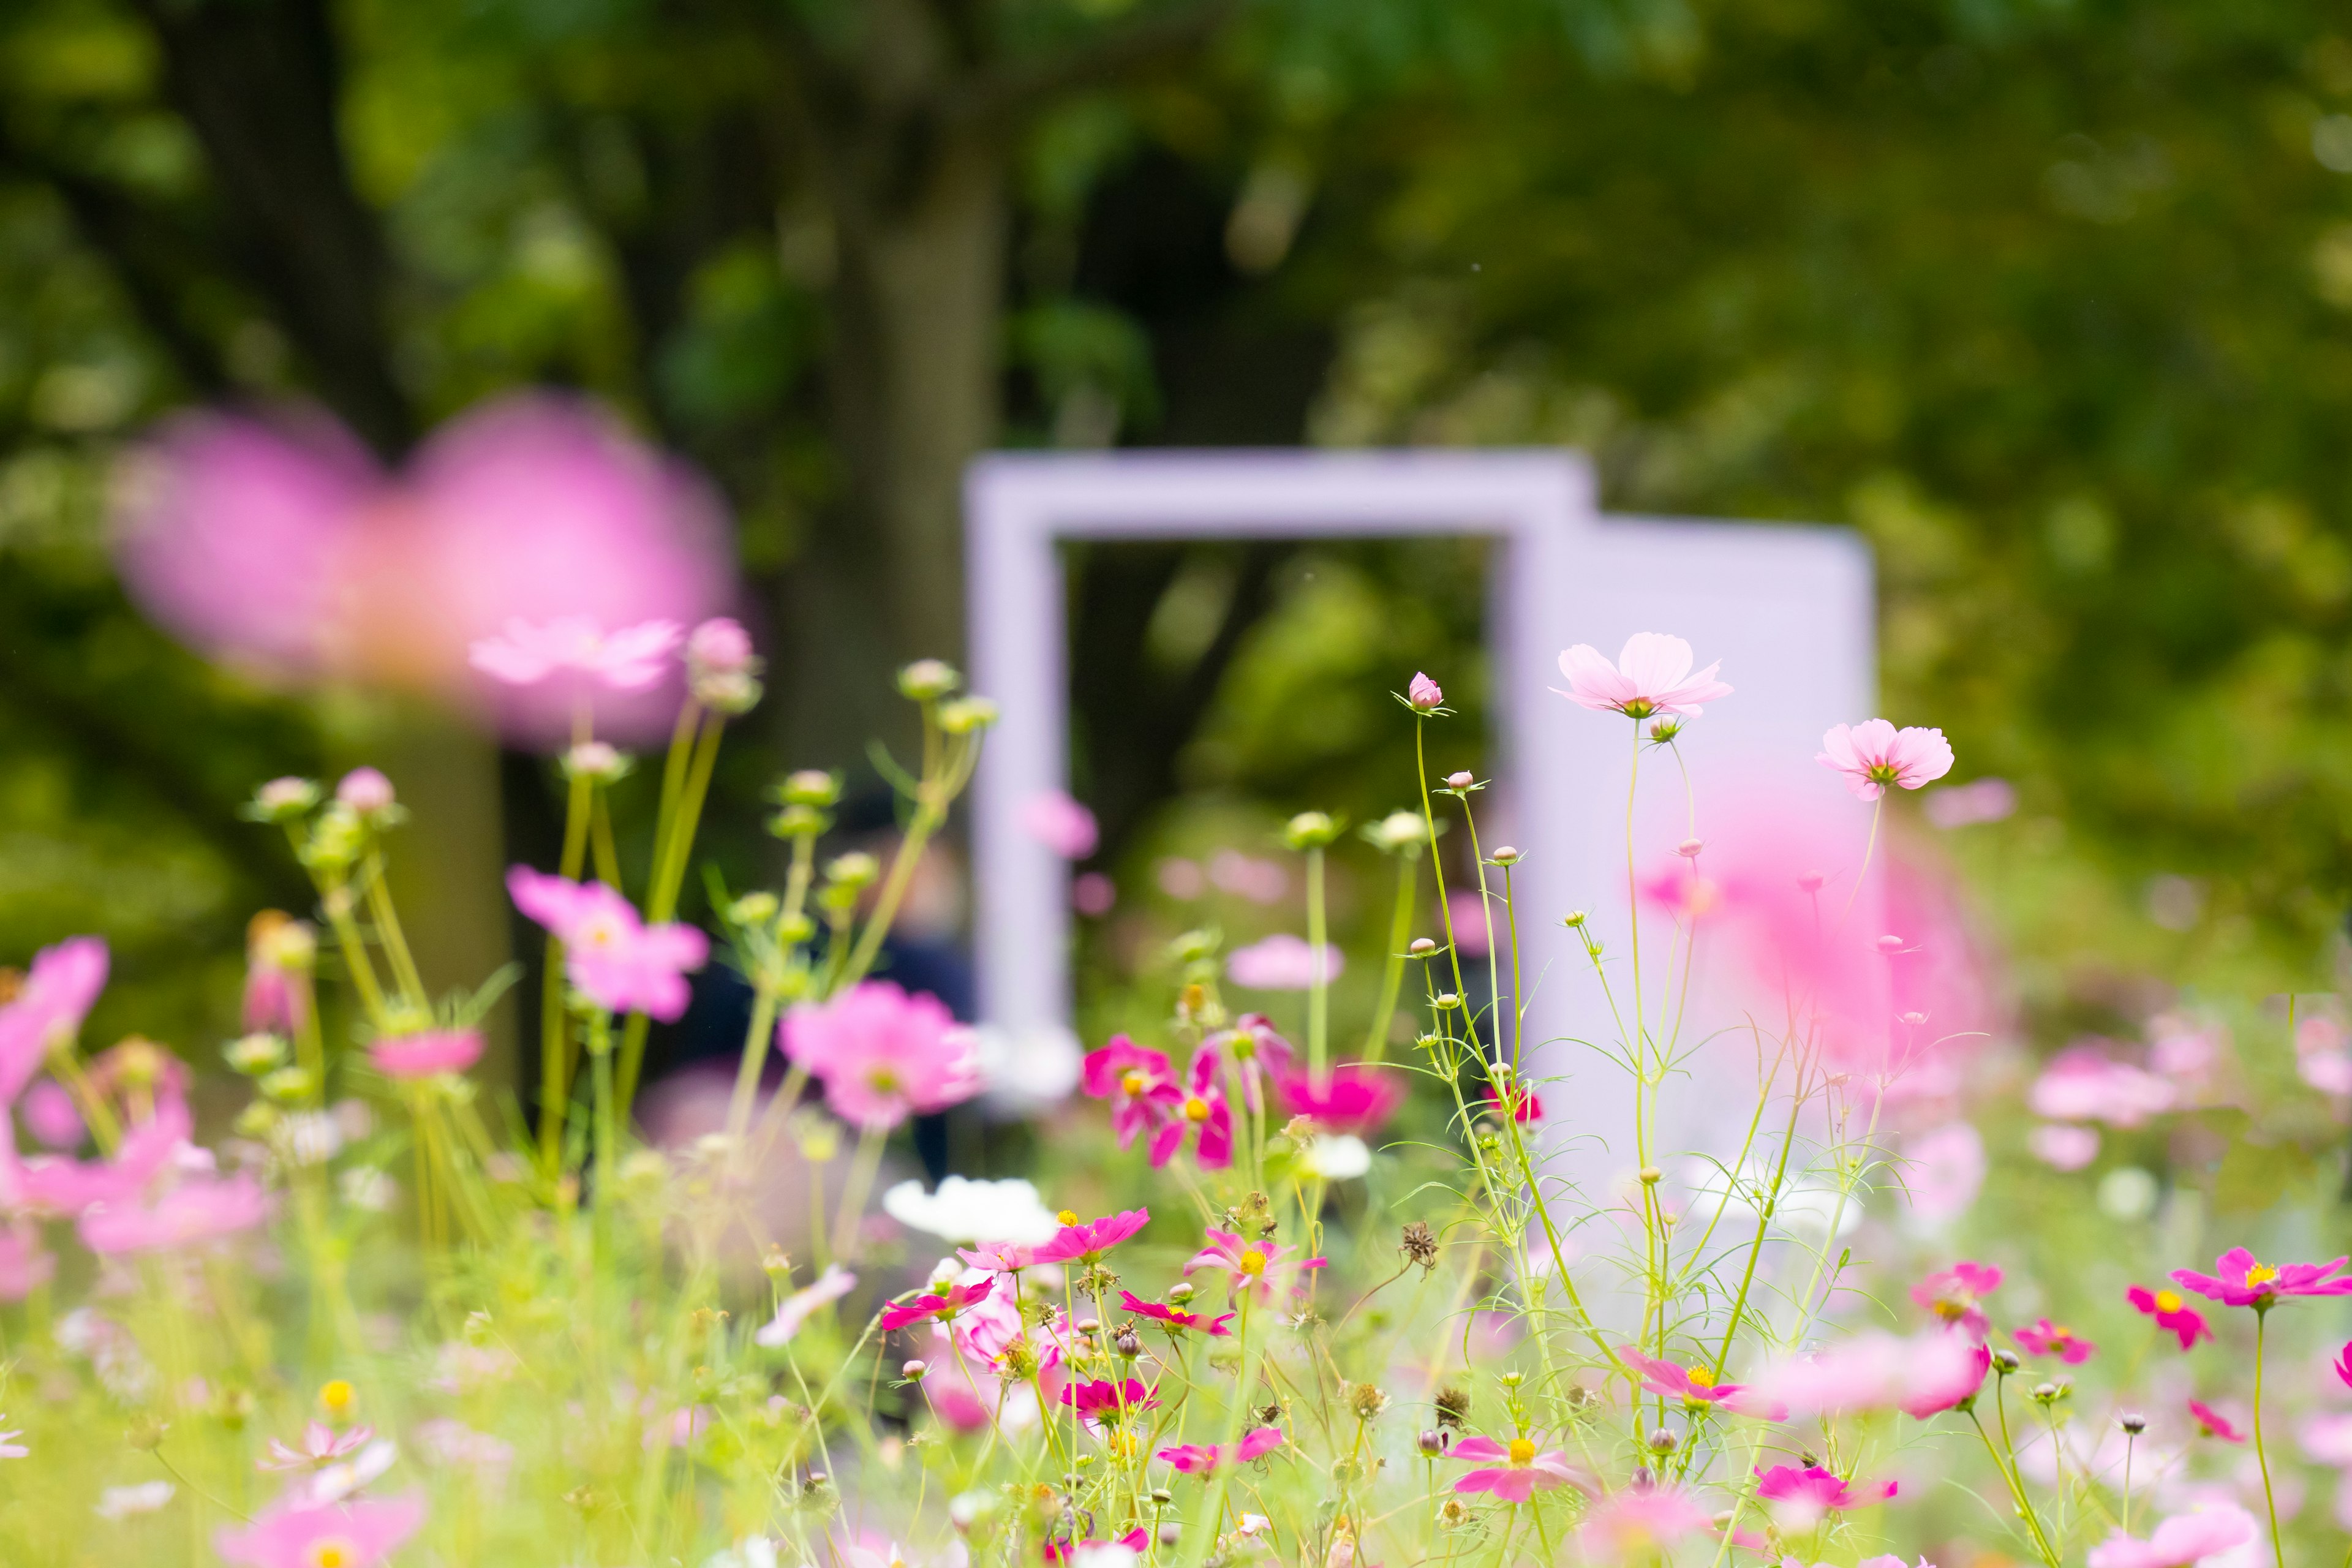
(1695, 1386)
(883, 1055)
(2179, 1541)
(2214, 1423)
(525, 653)
(1652, 675)
(57, 995)
(1199, 1108)
(1207, 1459)
(63, 1188)
(1641, 1523)
(1176, 1318)
(1351, 1097)
(1251, 1266)
(1127, 1075)
(1819, 1490)
(1086, 1242)
(1953, 1294)
(427, 1054)
(2238, 1280)
(614, 959)
(1875, 756)
(1515, 1470)
(944, 1305)
(1101, 1399)
(2171, 1313)
(2343, 1365)
(2042, 1337)
(1522, 1104)
(359, 1534)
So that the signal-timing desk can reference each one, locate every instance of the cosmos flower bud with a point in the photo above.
(913, 1371)
(2132, 1422)
(1310, 830)
(1576, 918)
(1126, 1343)
(1430, 1442)
(2005, 1360)
(967, 716)
(1179, 1292)
(720, 645)
(1504, 855)
(810, 786)
(928, 679)
(595, 761)
(1171, 1533)
(282, 799)
(854, 869)
(1812, 881)
(1689, 848)
(1446, 1000)
(1422, 947)
(1424, 694)
(366, 791)
(1459, 780)
(1890, 944)
(1663, 1441)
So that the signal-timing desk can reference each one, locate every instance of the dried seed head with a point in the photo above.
(1454, 1407)
(1419, 1244)
(1366, 1401)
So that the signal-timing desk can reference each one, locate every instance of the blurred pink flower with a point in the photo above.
(1353, 1096)
(1513, 1471)
(2239, 1280)
(277, 951)
(2184, 1049)
(2179, 1541)
(46, 1012)
(52, 1117)
(1093, 893)
(2330, 1072)
(2083, 1083)
(322, 1444)
(200, 1209)
(279, 543)
(2064, 1148)
(1874, 755)
(1200, 1107)
(1126, 1074)
(1247, 877)
(617, 962)
(25, 1264)
(1087, 1242)
(1953, 1295)
(1262, 1268)
(1207, 1459)
(358, 1533)
(797, 1308)
(63, 1188)
(720, 645)
(1179, 878)
(2341, 1366)
(366, 791)
(1283, 962)
(1872, 1370)
(629, 658)
(1423, 693)
(1652, 675)
(1640, 1523)
(1816, 1490)
(2172, 1314)
(424, 1054)
(1467, 913)
(1944, 1170)
(2042, 1337)
(1964, 805)
(883, 1055)
(1060, 823)
(2214, 1423)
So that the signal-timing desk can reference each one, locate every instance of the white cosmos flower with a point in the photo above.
(1338, 1159)
(122, 1502)
(962, 1210)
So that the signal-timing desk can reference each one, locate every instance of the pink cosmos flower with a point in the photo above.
(525, 653)
(1652, 675)
(57, 994)
(1920, 1375)
(1423, 693)
(1176, 1318)
(427, 1054)
(1945, 1171)
(803, 1303)
(67, 1188)
(1353, 1096)
(321, 1445)
(998, 1256)
(1937, 1386)
(12, 1451)
(1086, 1242)
(944, 1305)
(366, 790)
(1695, 1386)
(1207, 1459)
(2083, 1083)
(1251, 877)
(1199, 1107)
(1524, 1103)
(2179, 1541)
(1817, 1491)
(1251, 1266)
(1126, 1074)
(1513, 1471)
(1953, 1293)
(358, 1533)
(618, 960)
(2042, 1337)
(1060, 823)
(2238, 1280)
(884, 1054)
(1258, 1054)
(25, 1264)
(1101, 1399)
(199, 1209)
(1640, 1523)
(1283, 962)
(2064, 1148)
(2171, 1313)
(274, 996)
(1073, 1551)
(2342, 1364)
(1874, 755)
(2214, 1423)
(52, 1116)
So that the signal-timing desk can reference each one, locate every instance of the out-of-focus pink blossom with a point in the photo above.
(1814, 1490)
(25, 1264)
(1467, 913)
(2184, 1049)
(1257, 1053)
(1247, 877)
(2328, 1438)
(1423, 693)
(1652, 675)
(1875, 756)
(1263, 1268)
(1353, 1096)
(424, 1054)
(198, 1210)
(797, 1308)
(2042, 1337)
(1965, 806)
(1180, 879)
(454, 1444)
(1283, 962)
(625, 658)
(278, 951)
(1199, 1110)
(2214, 1423)
(279, 543)
(366, 790)
(1207, 1459)
(1514, 1471)
(2083, 1083)
(2064, 1148)
(1093, 894)
(1641, 1523)
(1126, 1074)
(52, 1117)
(2239, 1279)
(616, 960)
(63, 1188)
(720, 645)
(1944, 1171)
(1060, 823)
(321, 1445)
(2330, 1072)
(2341, 1366)
(1106, 1399)
(46, 1014)
(1875, 1369)
(2172, 1314)
(2179, 1541)
(1954, 1294)
(357, 1533)
(884, 1054)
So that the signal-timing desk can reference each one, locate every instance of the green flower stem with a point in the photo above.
(1376, 1040)
(1319, 988)
(2262, 1325)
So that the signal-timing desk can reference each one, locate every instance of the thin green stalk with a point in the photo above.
(2262, 1325)
(1376, 1040)
(554, 1037)
(1318, 987)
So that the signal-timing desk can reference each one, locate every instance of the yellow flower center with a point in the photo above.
(1196, 1110)
(602, 932)
(2168, 1300)
(2258, 1275)
(1068, 1216)
(884, 1079)
(1253, 1262)
(1132, 1084)
(1522, 1451)
(336, 1396)
(1701, 1378)
(333, 1553)
(2062, 1332)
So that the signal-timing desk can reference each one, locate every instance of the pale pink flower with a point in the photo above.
(1207, 1459)
(1060, 823)
(2083, 1083)
(1640, 1523)
(1874, 755)
(1247, 877)
(57, 994)
(2179, 1541)
(10, 1449)
(1804, 1496)
(2330, 1072)
(616, 961)
(452, 1444)
(1944, 1171)
(721, 646)
(1652, 675)
(2185, 1049)
(424, 1054)
(321, 1445)
(1514, 1471)
(52, 1117)
(359, 1534)
(2328, 1438)
(25, 1264)
(883, 1055)
(1423, 693)
(1965, 806)
(525, 653)
(366, 791)
(797, 1308)
(66, 1187)
(1875, 1369)
(1093, 893)
(200, 1209)
(1954, 1294)
(1283, 962)
(1260, 1269)
(2064, 1148)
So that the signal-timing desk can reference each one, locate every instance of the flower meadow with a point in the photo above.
(1869, 1286)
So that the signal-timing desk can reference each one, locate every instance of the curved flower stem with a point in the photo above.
(2016, 1491)
(2262, 1323)
(1878, 809)
(1319, 988)
(1376, 1040)
(554, 1042)
(860, 1182)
